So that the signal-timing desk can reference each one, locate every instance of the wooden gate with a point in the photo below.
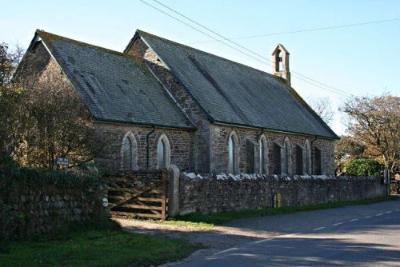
(139, 194)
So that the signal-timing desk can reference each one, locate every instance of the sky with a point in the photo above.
(360, 60)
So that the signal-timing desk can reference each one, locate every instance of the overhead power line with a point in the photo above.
(236, 46)
(316, 29)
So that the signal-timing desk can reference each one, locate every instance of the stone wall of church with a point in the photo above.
(248, 142)
(184, 100)
(112, 135)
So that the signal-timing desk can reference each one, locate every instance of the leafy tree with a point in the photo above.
(363, 167)
(375, 123)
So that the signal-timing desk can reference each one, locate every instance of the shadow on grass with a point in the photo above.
(97, 244)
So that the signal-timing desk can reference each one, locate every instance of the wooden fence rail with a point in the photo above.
(139, 194)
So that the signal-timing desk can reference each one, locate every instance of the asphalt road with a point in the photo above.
(365, 235)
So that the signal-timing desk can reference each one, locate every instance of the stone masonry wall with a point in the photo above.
(181, 96)
(219, 148)
(110, 158)
(28, 211)
(224, 193)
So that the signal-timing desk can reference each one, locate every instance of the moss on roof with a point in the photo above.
(116, 87)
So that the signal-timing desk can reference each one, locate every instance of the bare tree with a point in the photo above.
(323, 108)
(349, 148)
(57, 124)
(8, 62)
(375, 122)
(10, 95)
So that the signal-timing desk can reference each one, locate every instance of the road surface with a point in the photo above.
(365, 235)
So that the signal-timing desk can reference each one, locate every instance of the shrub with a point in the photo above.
(363, 167)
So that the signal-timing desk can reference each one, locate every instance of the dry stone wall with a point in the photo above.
(220, 193)
(29, 211)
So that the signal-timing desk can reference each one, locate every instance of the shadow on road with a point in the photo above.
(307, 252)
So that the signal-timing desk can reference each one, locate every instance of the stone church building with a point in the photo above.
(161, 103)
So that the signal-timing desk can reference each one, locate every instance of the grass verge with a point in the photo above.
(209, 220)
(94, 247)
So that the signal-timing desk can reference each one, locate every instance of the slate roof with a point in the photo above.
(114, 86)
(237, 94)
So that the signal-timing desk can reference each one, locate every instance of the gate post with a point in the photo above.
(173, 191)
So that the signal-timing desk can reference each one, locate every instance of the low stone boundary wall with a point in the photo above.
(226, 192)
(29, 210)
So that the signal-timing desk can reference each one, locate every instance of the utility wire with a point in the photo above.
(324, 28)
(228, 42)
(263, 59)
(194, 28)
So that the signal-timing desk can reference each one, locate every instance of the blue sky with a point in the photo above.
(361, 60)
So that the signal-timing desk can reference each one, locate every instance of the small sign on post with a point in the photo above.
(62, 162)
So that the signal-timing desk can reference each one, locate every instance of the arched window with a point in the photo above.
(307, 157)
(233, 153)
(286, 168)
(276, 159)
(299, 160)
(281, 63)
(263, 155)
(163, 152)
(129, 152)
(317, 166)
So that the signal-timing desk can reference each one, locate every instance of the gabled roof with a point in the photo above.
(236, 94)
(113, 85)
(280, 47)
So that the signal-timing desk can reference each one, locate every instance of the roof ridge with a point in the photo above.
(108, 114)
(207, 53)
(47, 36)
(290, 90)
(53, 37)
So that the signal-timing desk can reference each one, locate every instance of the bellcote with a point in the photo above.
(280, 63)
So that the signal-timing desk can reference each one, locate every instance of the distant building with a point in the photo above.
(163, 103)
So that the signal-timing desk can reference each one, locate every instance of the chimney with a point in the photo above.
(280, 63)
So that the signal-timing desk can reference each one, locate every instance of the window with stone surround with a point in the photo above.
(317, 162)
(307, 157)
(287, 160)
(163, 152)
(233, 153)
(129, 152)
(263, 155)
(276, 159)
(299, 160)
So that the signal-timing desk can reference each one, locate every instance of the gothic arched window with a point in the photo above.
(317, 164)
(287, 160)
(129, 152)
(307, 157)
(299, 160)
(263, 155)
(163, 152)
(233, 162)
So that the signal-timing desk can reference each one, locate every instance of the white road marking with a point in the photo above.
(319, 228)
(354, 220)
(367, 217)
(379, 214)
(388, 212)
(337, 224)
